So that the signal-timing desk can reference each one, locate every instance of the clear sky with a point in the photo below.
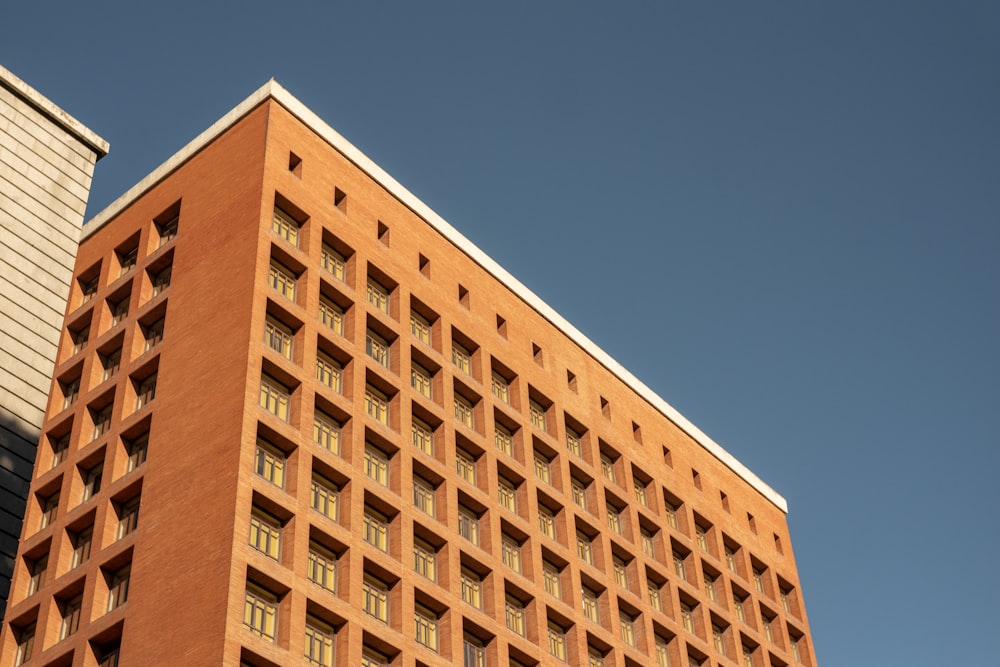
(781, 216)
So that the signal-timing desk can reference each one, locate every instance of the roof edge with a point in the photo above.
(43, 104)
(272, 89)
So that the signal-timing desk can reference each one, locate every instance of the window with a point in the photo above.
(282, 281)
(464, 411)
(738, 608)
(594, 658)
(118, 588)
(137, 450)
(786, 600)
(731, 560)
(329, 372)
(420, 328)
(161, 280)
(260, 612)
(331, 316)
(473, 652)
(278, 337)
(573, 444)
(679, 568)
(420, 379)
(319, 643)
(375, 599)
(283, 225)
(25, 643)
(378, 296)
(515, 615)
(503, 439)
(167, 231)
(701, 536)
(671, 515)
(546, 522)
(332, 262)
(621, 572)
(377, 405)
(370, 658)
(50, 509)
(793, 644)
(102, 421)
(640, 493)
(507, 495)
(614, 519)
(461, 358)
(424, 559)
(719, 639)
(322, 567)
(687, 617)
(543, 468)
(145, 391)
(37, 570)
(557, 642)
(709, 581)
(423, 496)
(747, 656)
(80, 338)
(648, 544)
(82, 544)
(376, 530)
(92, 481)
(269, 463)
(377, 348)
(265, 534)
(766, 622)
(425, 627)
(472, 588)
(326, 432)
(60, 448)
(128, 517)
(579, 494)
(153, 334)
(550, 579)
(607, 467)
(501, 389)
(274, 397)
(653, 594)
(590, 607)
(758, 580)
(466, 467)
(71, 390)
(127, 260)
(510, 553)
(627, 629)
(662, 653)
(584, 548)
(324, 497)
(423, 437)
(376, 465)
(88, 288)
(70, 616)
(119, 311)
(468, 525)
(111, 362)
(537, 414)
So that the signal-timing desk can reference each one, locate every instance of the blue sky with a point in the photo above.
(783, 217)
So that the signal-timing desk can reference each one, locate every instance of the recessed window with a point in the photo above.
(376, 465)
(626, 625)
(422, 436)
(153, 334)
(468, 525)
(550, 580)
(378, 296)
(118, 587)
(274, 397)
(102, 420)
(465, 466)
(376, 532)
(546, 522)
(425, 623)
(25, 638)
(687, 617)
(588, 599)
(161, 280)
(377, 405)
(111, 363)
(537, 415)
(50, 509)
(503, 439)
(294, 165)
(260, 612)
(339, 198)
(145, 391)
(614, 519)
(60, 448)
(383, 233)
(278, 337)
(88, 288)
(510, 553)
(515, 615)
(424, 559)
(326, 432)
(70, 610)
(283, 225)
(607, 467)
(579, 494)
(333, 262)
(573, 443)
(472, 588)
(82, 542)
(71, 391)
(621, 572)
(473, 652)
(128, 517)
(324, 497)
(464, 412)
(501, 388)
(37, 569)
(423, 496)
(167, 231)
(719, 638)
(322, 567)
(282, 280)
(127, 259)
(507, 495)
(709, 582)
(648, 542)
(420, 379)
(329, 372)
(557, 642)
(331, 316)
(584, 548)
(679, 567)
(739, 609)
(319, 642)
(653, 596)
(80, 337)
(375, 599)
(377, 348)
(265, 533)
(119, 310)
(420, 328)
(461, 358)
(92, 481)
(463, 296)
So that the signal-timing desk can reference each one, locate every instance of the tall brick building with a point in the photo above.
(298, 419)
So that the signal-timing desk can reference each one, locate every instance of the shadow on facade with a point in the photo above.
(18, 444)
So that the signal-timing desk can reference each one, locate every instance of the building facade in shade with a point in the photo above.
(46, 164)
(313, 424)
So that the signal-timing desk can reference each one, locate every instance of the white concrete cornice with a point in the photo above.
(84, 134)
(275, 91)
